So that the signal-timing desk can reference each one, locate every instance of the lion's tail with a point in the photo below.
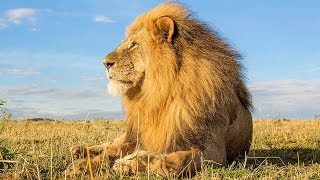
(244, 96)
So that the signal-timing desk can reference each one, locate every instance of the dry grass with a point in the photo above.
(40, 150)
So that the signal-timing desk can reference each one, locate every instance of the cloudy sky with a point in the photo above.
(51, 52)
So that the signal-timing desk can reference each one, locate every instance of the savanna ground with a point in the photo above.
(281, 149)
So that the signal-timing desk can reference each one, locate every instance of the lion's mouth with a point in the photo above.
(120, 81)
(124, 82)
(115, 76)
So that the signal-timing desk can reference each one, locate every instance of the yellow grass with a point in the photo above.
(40, 150)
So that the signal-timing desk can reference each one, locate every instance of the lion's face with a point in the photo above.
(127, 63)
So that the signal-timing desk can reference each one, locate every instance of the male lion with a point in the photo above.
(183, 94)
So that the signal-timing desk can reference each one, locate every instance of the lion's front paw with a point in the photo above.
(132, 163)
(77, 151)
(125, 165)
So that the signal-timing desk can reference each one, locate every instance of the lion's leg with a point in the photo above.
(172, 164)
(81, 151)
(179, 162)
(119, 149)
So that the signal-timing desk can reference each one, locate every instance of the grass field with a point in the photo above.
(281, 149)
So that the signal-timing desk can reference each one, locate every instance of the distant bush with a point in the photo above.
(4, 115)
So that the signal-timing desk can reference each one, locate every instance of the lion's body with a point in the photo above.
(183, 93)
(182, 87)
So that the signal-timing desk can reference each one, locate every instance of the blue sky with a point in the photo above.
(51, 52)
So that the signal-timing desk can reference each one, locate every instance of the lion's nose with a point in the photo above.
(108, 64)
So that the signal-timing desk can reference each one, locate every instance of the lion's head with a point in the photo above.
(144, 44)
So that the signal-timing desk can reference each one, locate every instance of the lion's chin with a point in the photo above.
(117, 88)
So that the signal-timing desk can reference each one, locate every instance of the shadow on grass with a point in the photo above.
(284, 156)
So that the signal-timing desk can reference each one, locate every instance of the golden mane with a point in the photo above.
(185, 85)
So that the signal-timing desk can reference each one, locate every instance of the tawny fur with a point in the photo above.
(183, 90)
(185, 84)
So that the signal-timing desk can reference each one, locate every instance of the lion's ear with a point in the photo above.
(164, 29)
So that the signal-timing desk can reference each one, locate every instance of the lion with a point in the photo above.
(184, 97)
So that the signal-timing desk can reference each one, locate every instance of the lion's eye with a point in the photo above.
(133, 45)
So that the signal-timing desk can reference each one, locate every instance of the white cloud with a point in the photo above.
(55, 93)
(40, 60)
(91, 77)
(70, 113)
(3, 24)
(35, 101)
(102, 19)
(317, 69)
(20, 72)
(19, 15)
(286, 98)
(29, 15)
(34, 29)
